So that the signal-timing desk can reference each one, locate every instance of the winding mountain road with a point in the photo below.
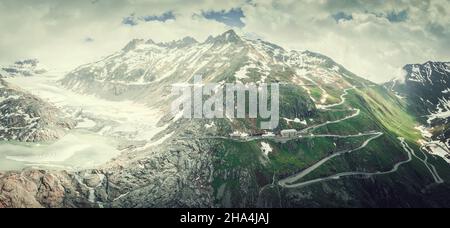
(289, 181)
(343, 99)
(286, 184)
(293, 181)
(430, 167)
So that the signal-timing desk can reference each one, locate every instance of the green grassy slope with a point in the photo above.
(243, 170)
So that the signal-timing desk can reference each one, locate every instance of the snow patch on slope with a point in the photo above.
(266, 148)
(442, 112)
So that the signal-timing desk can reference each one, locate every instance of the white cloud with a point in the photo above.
(369, 44)
(55, 31)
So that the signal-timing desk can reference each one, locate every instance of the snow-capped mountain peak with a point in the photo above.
(425, 88)
(229, 36)
(186, 41)
(134, 43)
(144, 68)
(427, 73)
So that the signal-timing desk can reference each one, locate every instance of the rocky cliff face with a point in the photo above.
(193, 163)
(426, 85)
(426, 88)
(24, 117)
(176, 174)
(35, 189)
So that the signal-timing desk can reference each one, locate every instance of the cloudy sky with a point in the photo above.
(372, 38)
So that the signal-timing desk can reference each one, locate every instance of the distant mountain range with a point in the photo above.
(25, 117)
(144, 69)
(28, 67)
(358, 144)
(427, 85)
